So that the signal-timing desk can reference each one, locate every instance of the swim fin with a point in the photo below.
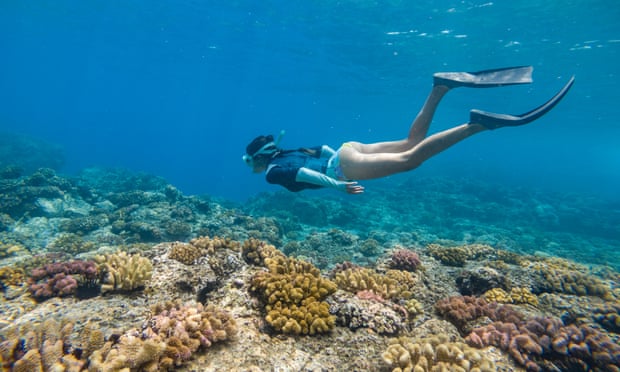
(492, 120)
(486, 78)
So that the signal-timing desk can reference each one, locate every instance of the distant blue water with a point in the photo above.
(178, 88)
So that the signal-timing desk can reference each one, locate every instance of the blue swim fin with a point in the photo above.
(492, 120)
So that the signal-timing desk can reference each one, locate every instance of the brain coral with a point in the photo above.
(435, 354)
(293, 291)
(123, 272)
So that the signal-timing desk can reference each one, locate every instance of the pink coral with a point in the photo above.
(404, 259)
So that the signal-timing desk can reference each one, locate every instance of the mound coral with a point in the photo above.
(293, 291)
(545, 343)
(7, 250)
(47, 346)
(167, 340)
(123, 272)
(557, 276)
(255, 251)
(189, 253)
(62, 278)
(457, 256)
(461, 310)
(608, 315)
(395, 284)
(404, 259)
(517, 295)
(435, 354)
(360, 311)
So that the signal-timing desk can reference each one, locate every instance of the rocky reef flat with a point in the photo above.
(117, 271)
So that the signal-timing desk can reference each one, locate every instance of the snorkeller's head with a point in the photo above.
(260, 151)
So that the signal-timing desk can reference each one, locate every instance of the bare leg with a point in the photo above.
(362, 166)
(417, 131)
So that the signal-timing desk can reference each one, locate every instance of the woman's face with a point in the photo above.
(260, 165)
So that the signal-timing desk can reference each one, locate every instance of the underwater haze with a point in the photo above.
(178, 88)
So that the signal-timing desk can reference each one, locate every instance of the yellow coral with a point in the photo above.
(523, 296)
(498, 295)
(7, 250)
(12, 276)
(395, 284)
(414, 308)
(293, 291)
(256, 251)
(435, 354)
(185, 253)
(124, 272)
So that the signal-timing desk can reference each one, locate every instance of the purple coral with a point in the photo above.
(404, 259)
(59, 285)
(542, 340)
(61, 278)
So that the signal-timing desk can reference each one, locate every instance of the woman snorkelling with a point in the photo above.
(317, 167)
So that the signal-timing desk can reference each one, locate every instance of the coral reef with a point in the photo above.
(356, 312)
(517, 295)
(166, 340)
(479, 280)
(48, 346)
(457, 256)
(561, 277)
(461, 310)
(395, 284)
(62, 278)
(545, 343)
(608, 316)
(435, 354)
(7, 250)
(404, 259)
(294, 293)
(123, 272)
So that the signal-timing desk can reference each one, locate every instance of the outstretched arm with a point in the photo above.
(317, 178)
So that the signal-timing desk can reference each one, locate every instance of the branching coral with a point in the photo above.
(395, 284)
(435, 354)
(123, 272)
(293, 291)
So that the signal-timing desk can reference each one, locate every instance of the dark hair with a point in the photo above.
(257, 143)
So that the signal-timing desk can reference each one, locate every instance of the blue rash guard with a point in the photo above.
(283, 168)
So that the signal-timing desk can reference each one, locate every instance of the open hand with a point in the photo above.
(354, 188)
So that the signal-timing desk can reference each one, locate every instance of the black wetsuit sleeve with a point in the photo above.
(286, 176)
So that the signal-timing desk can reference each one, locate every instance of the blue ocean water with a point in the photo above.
(179, 88)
